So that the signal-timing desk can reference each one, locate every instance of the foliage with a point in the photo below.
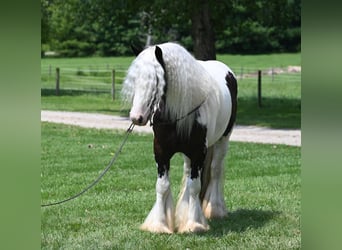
(261, 26)
(262, 190)
(107, 27)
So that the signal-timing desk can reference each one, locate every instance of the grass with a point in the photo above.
(82, 101)
(281, 104)
(261, 61)
(281, 96)
(234, 61)
(262, 190)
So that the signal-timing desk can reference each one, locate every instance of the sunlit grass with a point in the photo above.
(262, 191)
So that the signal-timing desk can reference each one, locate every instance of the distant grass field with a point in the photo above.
(79, 76)
(262, 190)
(234, 61)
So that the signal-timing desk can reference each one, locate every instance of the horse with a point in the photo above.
(191, 105)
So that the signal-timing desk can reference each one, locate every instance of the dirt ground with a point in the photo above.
(240, 133)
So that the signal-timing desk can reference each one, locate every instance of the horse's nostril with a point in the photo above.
(140, 119)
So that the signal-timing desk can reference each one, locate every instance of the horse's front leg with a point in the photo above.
(161, 217)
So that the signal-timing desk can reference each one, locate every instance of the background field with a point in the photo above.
(86, 87)
(262, 190)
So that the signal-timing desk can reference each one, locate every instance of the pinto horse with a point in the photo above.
(191, 105)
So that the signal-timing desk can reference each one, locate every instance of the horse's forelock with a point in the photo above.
(144, 77)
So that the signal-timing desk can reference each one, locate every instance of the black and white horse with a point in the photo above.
(192, 107)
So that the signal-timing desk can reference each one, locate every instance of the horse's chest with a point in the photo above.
(168, 142)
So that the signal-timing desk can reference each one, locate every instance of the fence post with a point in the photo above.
(57, 81)
(113, 84)
(259, 88)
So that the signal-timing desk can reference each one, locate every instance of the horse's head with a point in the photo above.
(144, 84)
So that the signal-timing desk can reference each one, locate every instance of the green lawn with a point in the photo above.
(262, 190)
(234, 61)
(261, 62)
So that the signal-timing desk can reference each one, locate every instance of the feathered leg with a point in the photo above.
(213, 203)
(161, 217)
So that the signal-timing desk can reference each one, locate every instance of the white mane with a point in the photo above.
(188, 82)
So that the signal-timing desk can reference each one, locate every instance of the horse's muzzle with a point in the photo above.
(139, 120)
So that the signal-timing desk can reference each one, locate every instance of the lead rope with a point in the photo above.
(129, 130)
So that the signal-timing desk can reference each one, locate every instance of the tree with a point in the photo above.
(202, 30)
(107, 27)
(260, 26)
(174, 17)
(45, 25)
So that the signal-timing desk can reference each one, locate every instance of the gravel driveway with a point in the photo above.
(240, 133)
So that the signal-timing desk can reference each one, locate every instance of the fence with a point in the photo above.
(288, 74)
(105, 79)
(273, 78)
(90, 79)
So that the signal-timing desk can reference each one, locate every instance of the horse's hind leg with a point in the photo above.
(189, 214)
(183, 199)
(213, 204)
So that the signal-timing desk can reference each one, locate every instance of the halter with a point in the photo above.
(178, 119)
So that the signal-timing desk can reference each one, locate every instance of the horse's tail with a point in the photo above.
(206, 172)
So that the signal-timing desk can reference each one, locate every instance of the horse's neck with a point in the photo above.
(182, 97)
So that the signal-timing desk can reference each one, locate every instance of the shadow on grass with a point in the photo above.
(274, 112)
(72, 92)
(240, 220)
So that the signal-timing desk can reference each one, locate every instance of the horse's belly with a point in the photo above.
(215, 116)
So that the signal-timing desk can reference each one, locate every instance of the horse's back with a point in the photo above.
(216, 69)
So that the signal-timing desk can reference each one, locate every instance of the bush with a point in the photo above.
(74, 48)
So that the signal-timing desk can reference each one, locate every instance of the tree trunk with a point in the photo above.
(202, 31)
(149, 37)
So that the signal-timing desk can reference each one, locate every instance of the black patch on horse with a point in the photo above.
(232, 86)
(159, 55)
(167, 143)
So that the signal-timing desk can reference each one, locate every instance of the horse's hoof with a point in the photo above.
(156, 228)
(215, 212)
(193, 227)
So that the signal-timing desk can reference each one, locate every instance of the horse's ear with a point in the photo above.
(159, 56)
(136, 49)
